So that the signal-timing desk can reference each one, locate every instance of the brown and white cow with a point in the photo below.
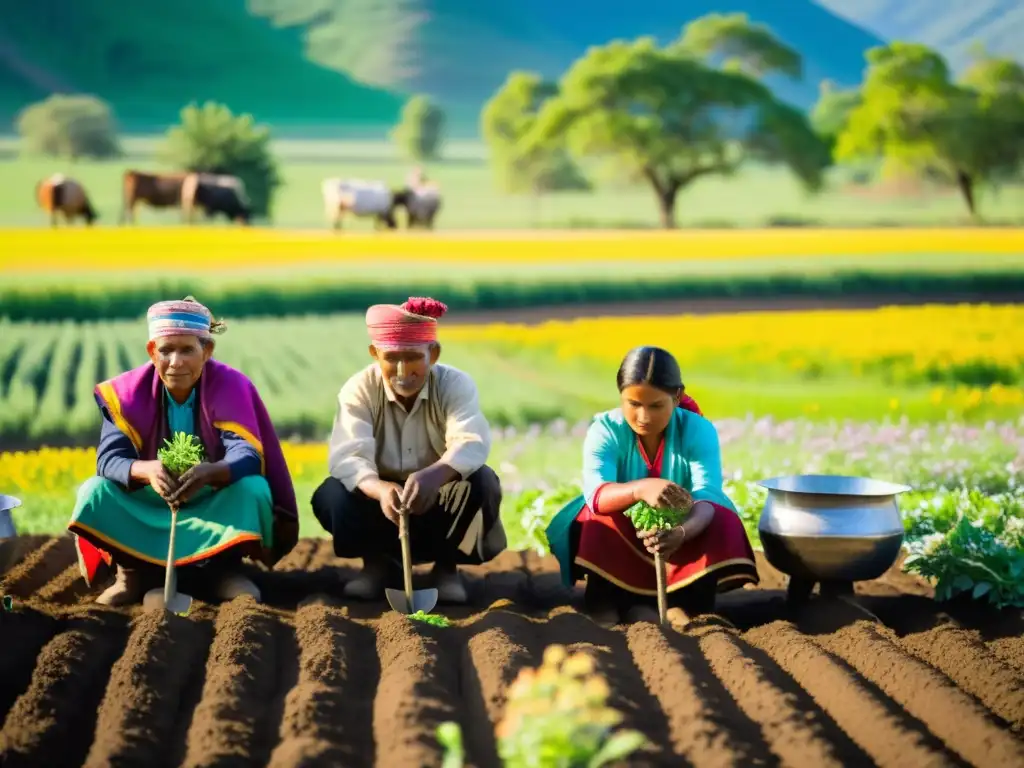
(59, 194)
(215, 193)
(158, 190)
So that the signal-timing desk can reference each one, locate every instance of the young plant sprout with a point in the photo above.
(435, 619)
(647, 518)
(181, 453)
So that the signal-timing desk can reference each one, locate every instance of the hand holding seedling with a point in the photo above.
(179, 459)
(658, 527)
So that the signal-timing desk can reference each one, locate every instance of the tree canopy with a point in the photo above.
(666, 116)
(212, 139)
(914, 116)
(506, 119)
(69, 126)
(420, 132)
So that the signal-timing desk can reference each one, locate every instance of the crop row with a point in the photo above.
(733, 364)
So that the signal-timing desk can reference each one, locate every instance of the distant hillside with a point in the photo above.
(460, 51)
(150, 58)
(952, 26)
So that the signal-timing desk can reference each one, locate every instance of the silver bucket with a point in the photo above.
(7, 529)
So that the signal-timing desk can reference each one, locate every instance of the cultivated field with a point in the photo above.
(307, 679)
(753, 197)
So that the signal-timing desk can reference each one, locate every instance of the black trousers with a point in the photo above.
(452, 531)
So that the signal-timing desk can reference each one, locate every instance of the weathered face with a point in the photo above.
(406, 369)
(647, 409)
(179, 361)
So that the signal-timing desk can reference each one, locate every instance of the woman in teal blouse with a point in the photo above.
(658, 448)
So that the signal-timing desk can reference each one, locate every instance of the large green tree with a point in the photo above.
(670, 117)
(506, 119)
(914, 117)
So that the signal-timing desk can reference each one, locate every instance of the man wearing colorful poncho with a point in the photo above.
(657, 448)
(239, 501)
(409, 433)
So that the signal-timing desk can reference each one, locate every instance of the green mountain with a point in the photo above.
(149, 59)
(950, 27)
(460, 51)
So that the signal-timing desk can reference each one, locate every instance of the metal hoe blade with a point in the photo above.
(171, 600)
(408, 601)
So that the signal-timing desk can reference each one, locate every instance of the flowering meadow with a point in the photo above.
(967, 481)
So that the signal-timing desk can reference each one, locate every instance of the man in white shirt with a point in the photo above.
(409, 433)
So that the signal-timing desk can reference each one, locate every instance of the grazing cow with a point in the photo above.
(421, 204)
(59, 194)
(158, 190)
(215, 193)
(360, 198)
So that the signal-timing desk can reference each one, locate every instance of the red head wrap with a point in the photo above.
(410, 324)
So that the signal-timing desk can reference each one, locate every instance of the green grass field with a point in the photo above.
(755, 197)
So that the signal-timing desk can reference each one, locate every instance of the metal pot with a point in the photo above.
(831, 528)
(7, 503)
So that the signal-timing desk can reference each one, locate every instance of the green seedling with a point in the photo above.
(8, 603)
(181, 453)
(435, 619)
(644, 517)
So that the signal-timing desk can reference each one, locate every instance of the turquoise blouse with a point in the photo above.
(180, 417)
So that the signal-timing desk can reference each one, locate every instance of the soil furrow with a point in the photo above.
(42, 565)
(230, 726)
(66, 588)
(327, 716)
(1010, 650)
(24, 633)
(418, 690)
(299, 557)
(139, 712)
(499, 644)
(53, 722)
(629, 693)
(968, 662)
(701, 731)
(14, 551)
(926, 694)
(886, 734)
(796, 730)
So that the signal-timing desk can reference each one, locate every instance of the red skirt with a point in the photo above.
(608, 547)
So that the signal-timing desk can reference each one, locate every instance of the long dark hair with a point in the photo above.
(650, 365)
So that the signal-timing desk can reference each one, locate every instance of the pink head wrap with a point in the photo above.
(179, 317)
(411, 324)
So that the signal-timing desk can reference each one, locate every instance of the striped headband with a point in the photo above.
(177, 318)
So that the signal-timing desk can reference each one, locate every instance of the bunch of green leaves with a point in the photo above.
(534, 510)
(8, 603)
(556, 716)
(973, 544)
(436, 619)
(180, 453)
(647, 518)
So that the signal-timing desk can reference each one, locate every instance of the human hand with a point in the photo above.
(155, 474)
(664, 543)
(664, 494)
(421, 489)
(391, 501)
(193, 480)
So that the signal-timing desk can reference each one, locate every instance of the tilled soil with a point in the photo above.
(307, 678)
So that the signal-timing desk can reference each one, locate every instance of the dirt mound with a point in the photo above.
(310, 679)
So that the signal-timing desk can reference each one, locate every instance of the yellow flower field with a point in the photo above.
(911, 343)
(198, 249)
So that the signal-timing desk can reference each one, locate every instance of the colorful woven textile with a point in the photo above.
(179, 317)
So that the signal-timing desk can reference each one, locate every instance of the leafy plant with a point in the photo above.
(435, 619)
(556, 717)
(181, 453)
(534, 509)
(647, 518)
(970, 543)
(8, 603)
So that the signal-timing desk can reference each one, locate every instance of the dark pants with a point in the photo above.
(451, 532)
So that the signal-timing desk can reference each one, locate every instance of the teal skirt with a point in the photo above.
(559, 534)
(138, 523)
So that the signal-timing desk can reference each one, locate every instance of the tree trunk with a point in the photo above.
(966, 185)
(667, 206)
